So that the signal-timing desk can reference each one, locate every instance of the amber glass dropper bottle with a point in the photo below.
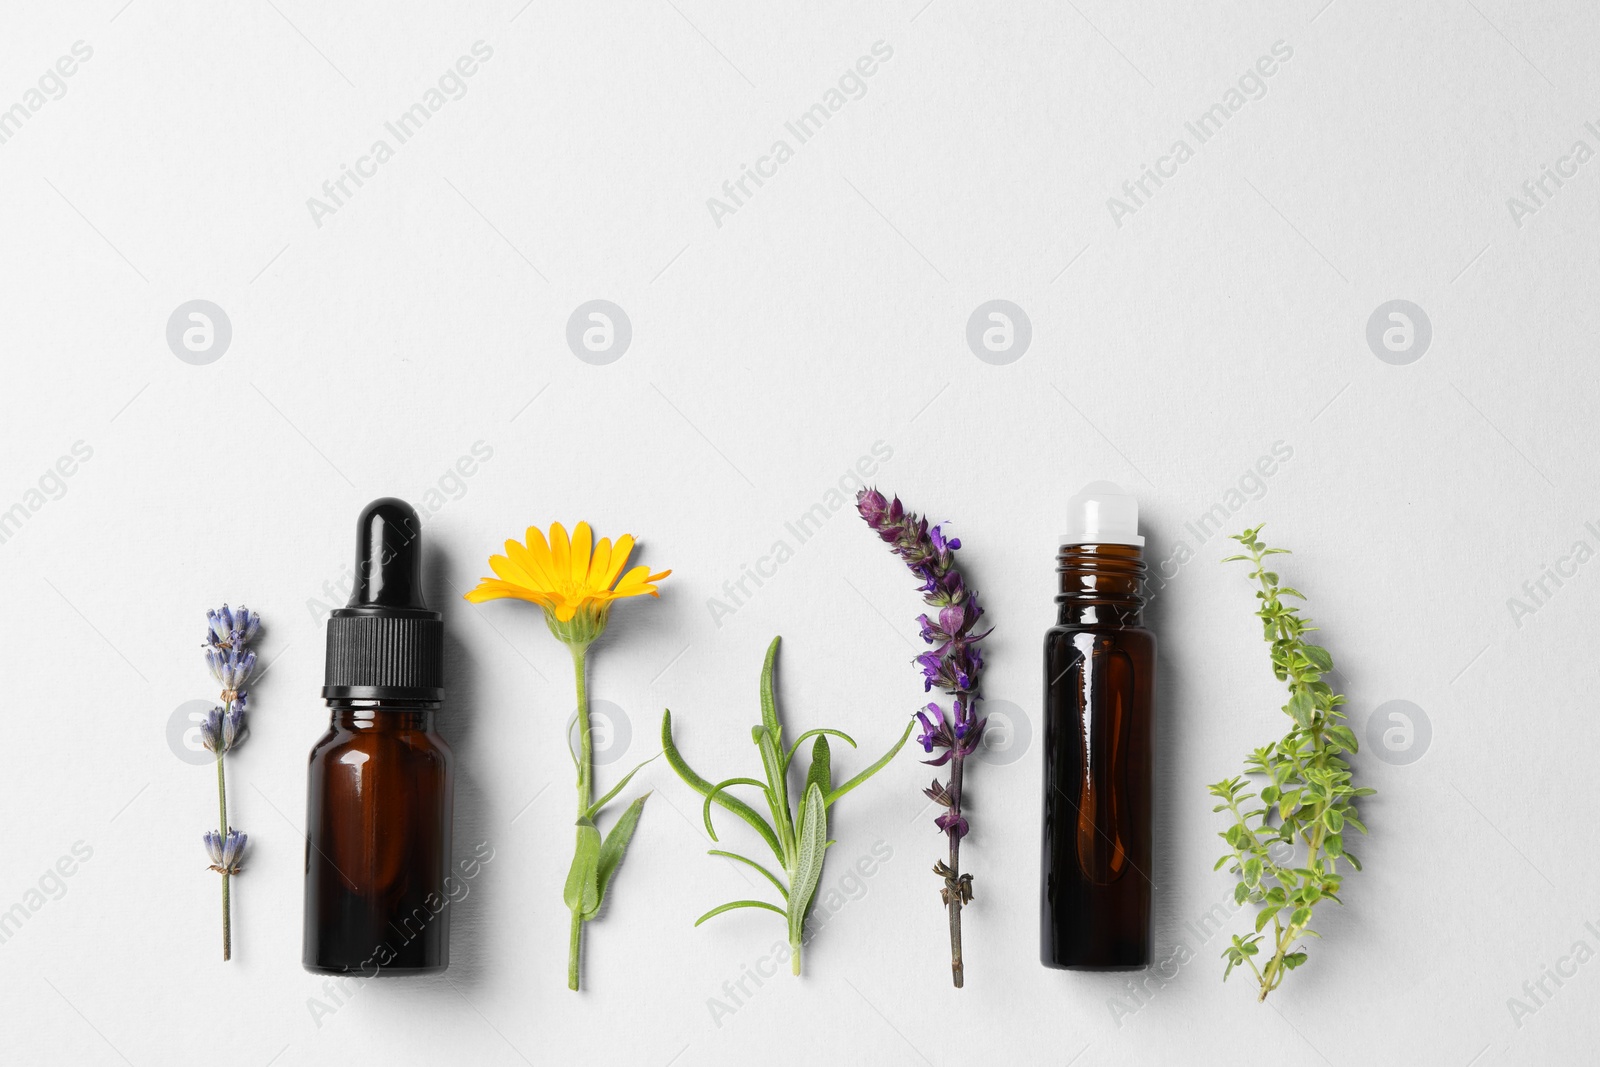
(1099, 744)
(379, 793)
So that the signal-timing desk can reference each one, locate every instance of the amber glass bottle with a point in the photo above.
(1099, 745)
(379, 793)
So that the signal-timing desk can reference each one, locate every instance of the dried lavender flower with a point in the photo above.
(953, 667)
(226, 852)
(228, 632)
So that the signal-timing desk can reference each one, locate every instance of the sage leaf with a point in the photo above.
(813, 844)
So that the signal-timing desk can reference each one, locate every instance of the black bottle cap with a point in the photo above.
(385, 644)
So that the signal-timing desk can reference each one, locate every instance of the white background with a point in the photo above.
(1227, 313)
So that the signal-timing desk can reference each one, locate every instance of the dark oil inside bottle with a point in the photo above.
(1099, 746)
(378, 842)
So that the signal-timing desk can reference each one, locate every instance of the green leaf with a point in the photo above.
(716, 791)
(1333, 819)
(813, 847)
(789, 758)
(613, 849)
(883, 761)
(777, 787)
(1318, 657)
(769, 705)
(599, 805)
(821, 772)
(1294, 959)
(582, 891)
(774, 879)
(700, 785)
(720, 908)
(1264, 917)
(1301, 707)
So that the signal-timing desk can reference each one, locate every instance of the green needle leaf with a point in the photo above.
(700, 785)
(774, 879)
(789, 758)
(716, 791)
(883, 761)
(821, 772)
(720, 908)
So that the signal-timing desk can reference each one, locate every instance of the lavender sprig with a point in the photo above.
(227, 633)
(952, 667)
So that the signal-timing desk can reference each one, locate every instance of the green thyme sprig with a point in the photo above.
(1305, 807)
(798, 838)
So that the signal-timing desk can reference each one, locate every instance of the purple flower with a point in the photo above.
(231, 667)
(226, 628)
(223, 729)
(930, 732)
(953, 666)
(225, 852)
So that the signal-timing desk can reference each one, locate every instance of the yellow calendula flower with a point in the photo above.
(574, 579)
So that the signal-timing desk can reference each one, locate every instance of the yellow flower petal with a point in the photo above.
(537, 562)
(582, 538)
(560, 555)
(598, 566)
(566, 576)
(619, 559)
(508, 570)
(638, 581)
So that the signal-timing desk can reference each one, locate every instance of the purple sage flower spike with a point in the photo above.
(952, 666)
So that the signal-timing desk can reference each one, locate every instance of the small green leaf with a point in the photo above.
(582, 891)
(774, 879)
(821, 772)
(614, 848)
(841, 735)
(769, 704)
(599, 805)
(883, 761)
(720, 908)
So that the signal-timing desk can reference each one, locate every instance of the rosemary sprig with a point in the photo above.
(798, 838)
(1307, 801)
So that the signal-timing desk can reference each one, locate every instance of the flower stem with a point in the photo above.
(585, 790)
(222, 815)
(574, 951)
(957, 967)
(585, 742)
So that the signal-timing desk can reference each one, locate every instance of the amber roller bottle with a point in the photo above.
(1099, 744)
(378, 798)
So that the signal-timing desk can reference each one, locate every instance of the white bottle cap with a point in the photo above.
(1102, 513)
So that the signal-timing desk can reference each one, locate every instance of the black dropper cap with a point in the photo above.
(385, 644)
